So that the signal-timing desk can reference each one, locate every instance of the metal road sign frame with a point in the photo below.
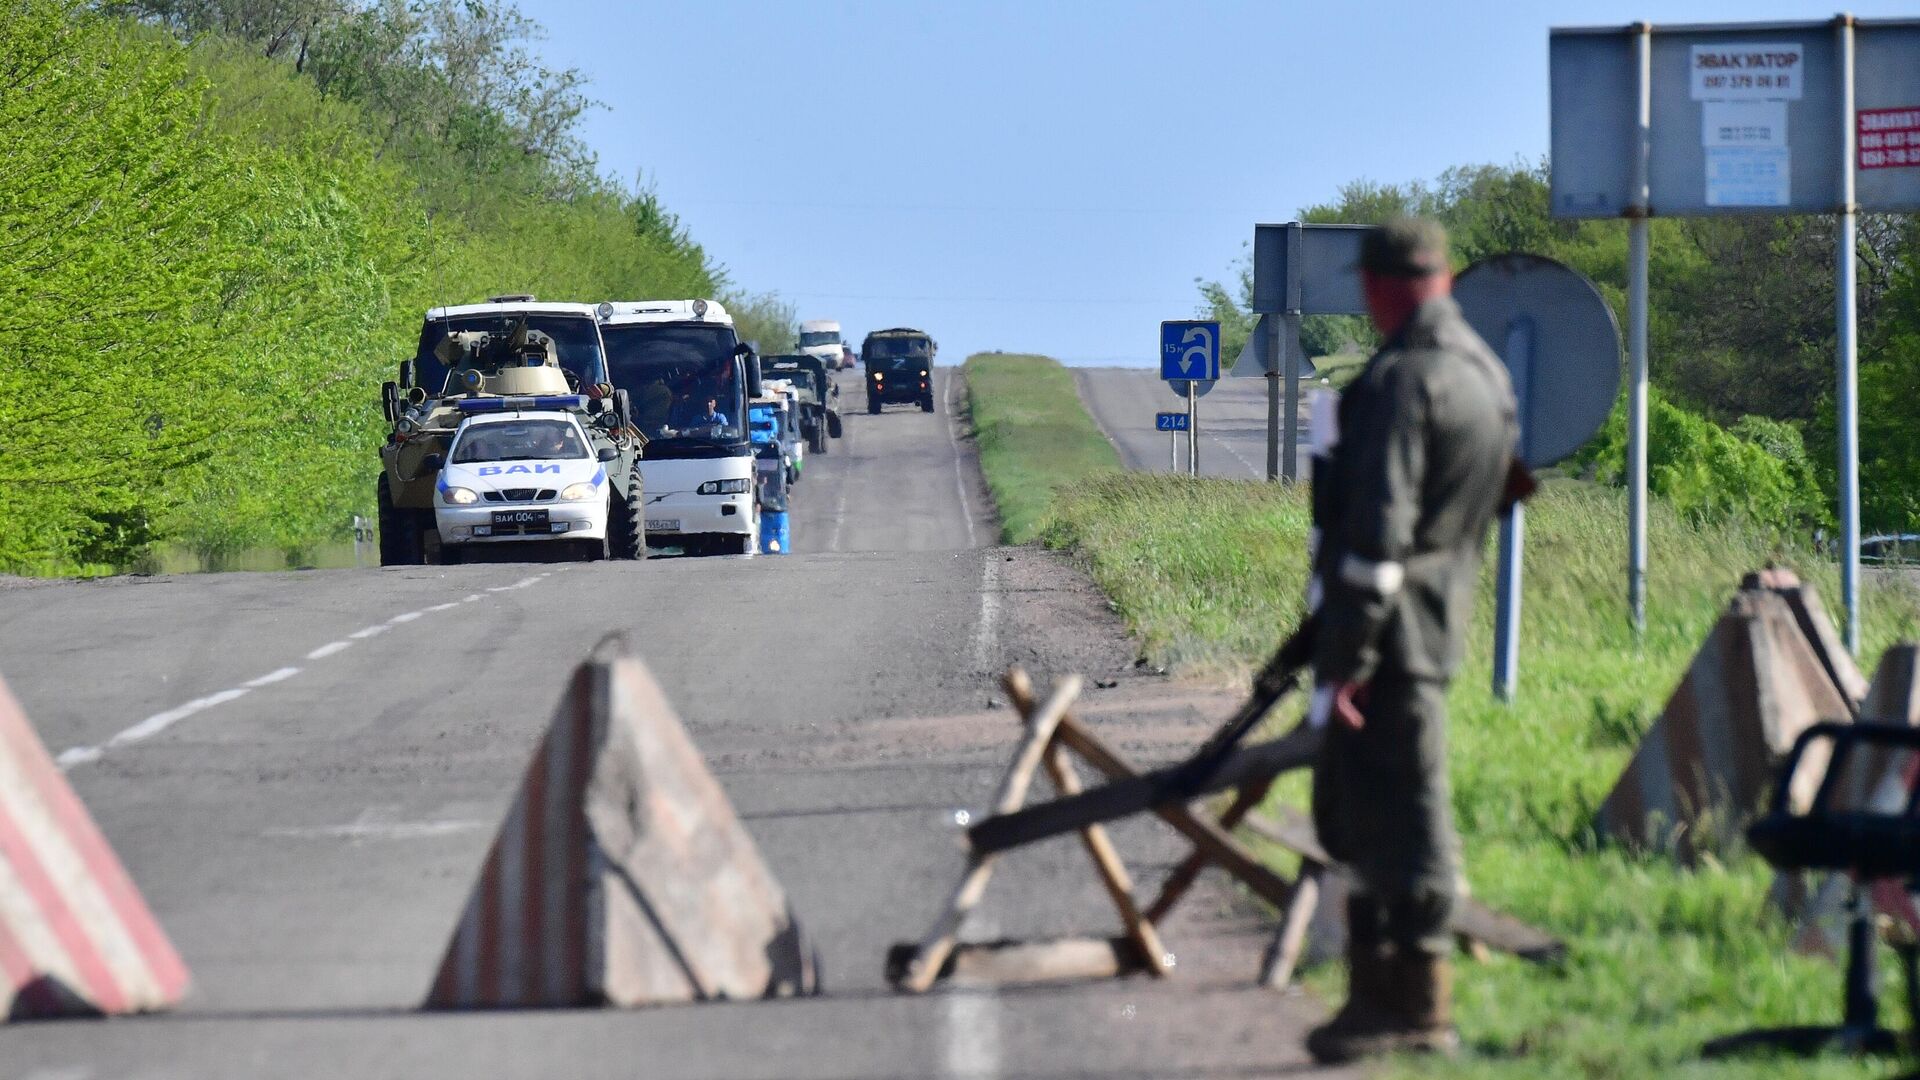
(1627, 143)
(1298, 269)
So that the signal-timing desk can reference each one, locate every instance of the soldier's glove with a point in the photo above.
(1520, 485)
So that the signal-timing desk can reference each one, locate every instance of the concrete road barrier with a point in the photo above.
(76, 938)
(621, 875)
(1769, 669)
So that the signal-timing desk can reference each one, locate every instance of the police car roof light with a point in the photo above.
(516, 404)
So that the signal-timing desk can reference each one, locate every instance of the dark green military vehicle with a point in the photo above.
(899, 365)
(819, 395)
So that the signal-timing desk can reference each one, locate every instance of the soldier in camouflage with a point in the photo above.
(1402, 505)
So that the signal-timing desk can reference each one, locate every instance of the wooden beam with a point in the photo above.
(1221, 848)
(1471, 918)
(925, 967)
(1284, 956)
(1184, 875)
(1106, 860)
(1176, 784)
(1029, 961)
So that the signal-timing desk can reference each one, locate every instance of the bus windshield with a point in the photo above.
(681, 378)
(810, 338)
(575, 337)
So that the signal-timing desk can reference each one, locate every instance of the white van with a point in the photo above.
(821, 338)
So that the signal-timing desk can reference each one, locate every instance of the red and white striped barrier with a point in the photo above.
(76, 939)
(621, 875)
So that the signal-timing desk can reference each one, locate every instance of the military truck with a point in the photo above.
(899, 365)
(819, 395)
(493, 357)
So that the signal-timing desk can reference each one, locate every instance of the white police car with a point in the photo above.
(514, 477)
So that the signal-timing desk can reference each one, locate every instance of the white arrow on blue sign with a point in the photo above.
(1189, 350)
(1170, 421)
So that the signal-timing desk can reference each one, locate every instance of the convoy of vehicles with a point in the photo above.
(522, 427)
(899, 365)
(819, 396)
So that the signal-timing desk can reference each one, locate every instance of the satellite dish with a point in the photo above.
(1560, 343)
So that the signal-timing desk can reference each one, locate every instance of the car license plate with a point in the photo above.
(520, 519)
(663, 524)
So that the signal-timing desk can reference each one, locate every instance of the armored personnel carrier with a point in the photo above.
(504, 365)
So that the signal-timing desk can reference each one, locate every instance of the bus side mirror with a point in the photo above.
(608, 453)
(433, 462)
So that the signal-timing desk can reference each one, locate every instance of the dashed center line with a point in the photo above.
(161, 721)
(271, 677)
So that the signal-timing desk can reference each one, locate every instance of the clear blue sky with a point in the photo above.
(1048, 177)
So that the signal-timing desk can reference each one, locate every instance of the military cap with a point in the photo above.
(1405, 247)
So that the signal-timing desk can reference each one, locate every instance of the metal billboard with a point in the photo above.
(1738, 118)
(1308, 269)
(1745, 118)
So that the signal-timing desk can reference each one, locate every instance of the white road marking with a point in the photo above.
(373, 830)
(271, 677)
(161, 721)
(1259, 471)
(986, 635)
(959, 474)
(970, 1017)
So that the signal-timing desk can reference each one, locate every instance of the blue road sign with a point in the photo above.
(1189, 350)
(1170, 421)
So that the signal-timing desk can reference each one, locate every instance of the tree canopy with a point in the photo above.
(220, 222)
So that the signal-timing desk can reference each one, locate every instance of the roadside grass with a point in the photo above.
(1210, 575)
(1034, 436)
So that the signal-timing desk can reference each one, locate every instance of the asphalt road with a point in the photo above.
(1232, 426)
(303, 771)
